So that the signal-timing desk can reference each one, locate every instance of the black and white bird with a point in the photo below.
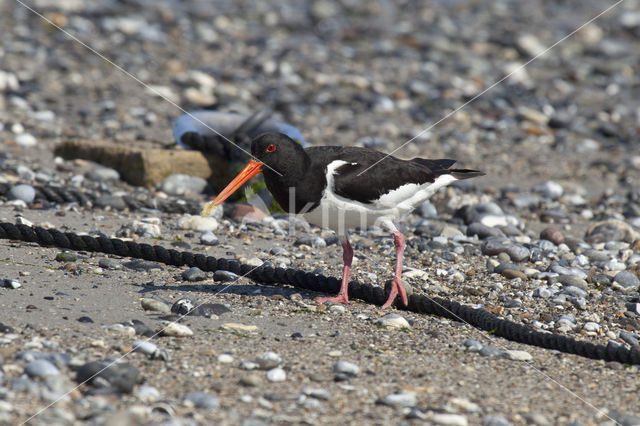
(344, 187)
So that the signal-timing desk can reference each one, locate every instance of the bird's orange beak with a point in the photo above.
(249, 171)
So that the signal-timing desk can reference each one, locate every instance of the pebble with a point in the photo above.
(41, 368)
(393, 321)
(268, 360)
(224, 276)
(142, 265)
(198, 223)
(66, 256)
(399, 400)
(240, 327)
(25, 193)
(201, 400)
(251, 380)
(103, 174)
(145, 347)
(472, 345)
(317, 393)
(572, 281)
(490, 351)
(181, 184)
(627, 280)
(553, 235)
(176, 330)
(111, 264)
(449, 419)
(208, 238)
(149, 304)
(121, 376)
(346, 367)
(514, 355)
(194, 274)
(147, 394)
(591, 327)
(549, 189)
(276, 375)
(26, 140)
(7, 283)
(337, 309)
(495, 420)
(225, 359)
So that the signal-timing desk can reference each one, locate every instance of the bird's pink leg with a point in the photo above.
(396, 285)
(347, 257)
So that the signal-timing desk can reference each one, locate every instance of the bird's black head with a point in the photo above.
(280, 154)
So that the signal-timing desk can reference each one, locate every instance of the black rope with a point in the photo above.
(479, 318)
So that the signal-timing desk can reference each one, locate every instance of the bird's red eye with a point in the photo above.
(271, 147)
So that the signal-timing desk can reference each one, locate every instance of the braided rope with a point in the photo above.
(479, 318)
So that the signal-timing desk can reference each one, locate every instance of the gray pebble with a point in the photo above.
(268, 360)
(145, 347)
(41, 368)
(180, 184)
(276, 375)
(194, 274)
(112, 201)
(549, 189)
(544, 292)
(627, 280)
(103, 174)
(202, 400)
(147, 394)
(346, 367)
(25, 193)
(107, 263)
(322, 394)
(7, 283)
(224, 276)
(495, 420)
(483, 231)
(278, 251)
(427, 211)
(574, 291)
(183, 306)
(399, 400)
(208, 238)
(571, 281)
(142, 265)
(630, 338)
(472, 345)
(490, 351)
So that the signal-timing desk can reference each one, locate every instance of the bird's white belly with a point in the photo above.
(341, 217)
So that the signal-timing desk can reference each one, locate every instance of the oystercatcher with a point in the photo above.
(332, 186)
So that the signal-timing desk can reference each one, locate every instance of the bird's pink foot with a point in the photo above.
(396, 288)
(340, 298)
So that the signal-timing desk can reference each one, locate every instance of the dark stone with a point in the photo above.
(183, 306)
(66, 256)
(142, 265)
(483, 231)
(194, 274)
(121, 376)
(210, 309)
(224, 276)
(85, 319)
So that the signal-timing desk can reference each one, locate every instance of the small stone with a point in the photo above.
(7, 283)
(66, 256)
(142, 265)
(183, 306)
(346, 367)
(149, 304)
(103, 174)
(25, 193)
(145, 347)
(210, 309)
(570, 280)
(553, 235)
(26, 140)
(121, 376)
(201, 400)
(176, 330)
(449, 419)
(251, 380)
(111, 264)
(147, 394)
(316, 393)
(181, 184)
(514, 355)
(495, 420)
(393, 321)
(399, 400)
(591, 327)
(472, 345)
(41, 368)
(627, 280)
(337, 309)
(208, 238)
(490, 351)
(240, 327)
(276, 375)
(85, 319)
(513, 273)
(224, 276)
(198, 223)
(249, 365)
(225, 359)
(549, 189)
(194, 274)
(268, 360)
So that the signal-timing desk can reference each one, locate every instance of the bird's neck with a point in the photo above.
(288, 187)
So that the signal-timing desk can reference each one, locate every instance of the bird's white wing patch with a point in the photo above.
(409, 195)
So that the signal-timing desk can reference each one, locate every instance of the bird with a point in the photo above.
(342, 187)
